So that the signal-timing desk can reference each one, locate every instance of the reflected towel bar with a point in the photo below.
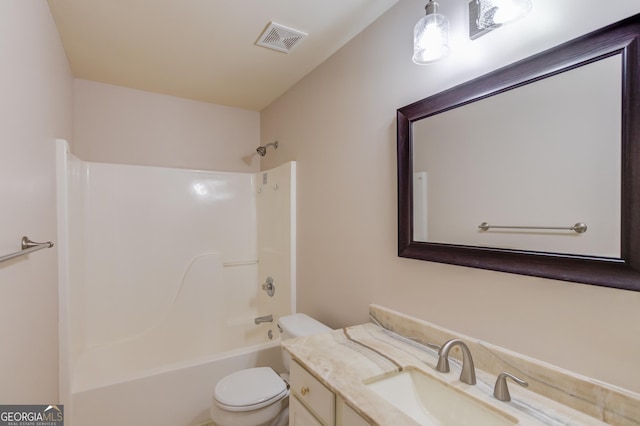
(27, 246)
(578, 227)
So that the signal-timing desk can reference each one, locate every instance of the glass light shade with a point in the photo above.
(496, 13)
(431, 39)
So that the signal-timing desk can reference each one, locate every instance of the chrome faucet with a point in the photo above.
(468, 373)
(266, 318)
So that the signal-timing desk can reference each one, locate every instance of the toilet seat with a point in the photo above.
(249, 389)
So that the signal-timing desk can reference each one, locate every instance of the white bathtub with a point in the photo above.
(173, 395)
(160, 274)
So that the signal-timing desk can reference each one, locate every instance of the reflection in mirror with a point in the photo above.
(544, 154)
(550, 141)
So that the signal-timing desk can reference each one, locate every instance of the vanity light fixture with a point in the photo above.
(431, 33)
(487, 15)
(431, 36)
(496, 13)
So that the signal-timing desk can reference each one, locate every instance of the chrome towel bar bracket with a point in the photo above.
(27, 246)
(579, 227)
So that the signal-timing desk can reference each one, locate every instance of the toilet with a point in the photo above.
(258, 396)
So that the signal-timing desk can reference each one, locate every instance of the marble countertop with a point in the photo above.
(345, 360)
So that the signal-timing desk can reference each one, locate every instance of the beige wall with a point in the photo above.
(339, 125)
(35, 108)
(119, 125)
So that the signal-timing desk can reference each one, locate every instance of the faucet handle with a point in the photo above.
(501, 390)
(269, 286)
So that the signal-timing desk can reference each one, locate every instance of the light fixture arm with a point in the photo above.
(431, 7)
(492, 14)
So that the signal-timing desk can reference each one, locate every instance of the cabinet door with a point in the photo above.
(346, 416)
(299, 415)
(313, 394)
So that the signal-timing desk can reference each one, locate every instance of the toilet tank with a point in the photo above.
(298, 325)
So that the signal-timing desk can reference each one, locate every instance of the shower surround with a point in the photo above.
(160, 280)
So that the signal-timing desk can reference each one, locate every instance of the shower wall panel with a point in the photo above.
(146, 228)
(276, 196)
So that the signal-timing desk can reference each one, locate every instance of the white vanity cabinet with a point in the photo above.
(310, 400)
(313, 404)
(299, 415)
(346, 416)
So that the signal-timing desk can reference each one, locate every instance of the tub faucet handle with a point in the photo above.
(269, 287)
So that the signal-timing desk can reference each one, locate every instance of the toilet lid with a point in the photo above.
(249, 389)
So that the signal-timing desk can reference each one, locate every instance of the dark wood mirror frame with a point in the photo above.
(622, 38)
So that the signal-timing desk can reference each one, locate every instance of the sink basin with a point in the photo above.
(429, 401)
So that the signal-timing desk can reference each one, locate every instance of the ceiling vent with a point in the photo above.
(280, 38)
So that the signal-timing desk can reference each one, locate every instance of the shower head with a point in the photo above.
(262, 150)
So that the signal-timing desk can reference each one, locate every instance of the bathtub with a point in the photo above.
(160, 274)
(171, 395)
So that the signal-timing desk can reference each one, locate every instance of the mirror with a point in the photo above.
(503, 172)
(545, 155)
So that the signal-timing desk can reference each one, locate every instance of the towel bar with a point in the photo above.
(578, 227)
(27, 246)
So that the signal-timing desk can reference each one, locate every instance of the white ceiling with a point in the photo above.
(205, 49)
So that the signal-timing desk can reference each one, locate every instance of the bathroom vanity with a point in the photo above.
(383, 373)
(311, 403)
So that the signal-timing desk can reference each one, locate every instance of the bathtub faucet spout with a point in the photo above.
(266, 318)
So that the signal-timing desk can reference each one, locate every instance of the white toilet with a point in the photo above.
(258, 396)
